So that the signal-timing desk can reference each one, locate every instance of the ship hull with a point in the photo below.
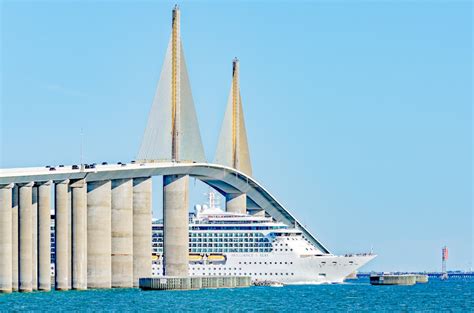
(283, 268)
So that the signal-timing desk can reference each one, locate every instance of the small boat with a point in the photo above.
(267, 283)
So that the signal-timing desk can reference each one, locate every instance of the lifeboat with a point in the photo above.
(216, 257)
(195, 257)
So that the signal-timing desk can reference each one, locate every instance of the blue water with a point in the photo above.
(451, 295)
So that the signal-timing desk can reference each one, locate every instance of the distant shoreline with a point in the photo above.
(451, 274)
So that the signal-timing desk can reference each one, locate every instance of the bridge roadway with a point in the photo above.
(225, 179)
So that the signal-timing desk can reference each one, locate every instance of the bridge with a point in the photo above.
(103, 213)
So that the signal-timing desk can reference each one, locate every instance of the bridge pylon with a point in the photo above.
(172, 134)
(232, 148)
(172, 131)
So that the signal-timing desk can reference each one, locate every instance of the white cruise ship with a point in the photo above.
(224, 243)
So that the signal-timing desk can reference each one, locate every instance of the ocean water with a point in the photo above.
(451, 295)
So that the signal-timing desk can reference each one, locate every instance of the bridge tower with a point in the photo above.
(172, 132)
(232, 148)
(172, 135)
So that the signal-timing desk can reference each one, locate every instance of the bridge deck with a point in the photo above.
(224, 179)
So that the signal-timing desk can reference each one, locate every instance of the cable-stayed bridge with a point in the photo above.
(103, 213)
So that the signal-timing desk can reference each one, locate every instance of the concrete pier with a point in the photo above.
(79, 235)
(44, 236)
(6, 238)
(391, 279)
(122, 233)
(142, 214)
(194, 282)
(421, 279)
(236, 203)
(99, 235)
(25, 238)
(62, 246)
(34, 237)
(15, 238)
(69, 236)
(176, 225)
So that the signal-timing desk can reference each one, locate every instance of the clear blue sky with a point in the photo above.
(359, 114)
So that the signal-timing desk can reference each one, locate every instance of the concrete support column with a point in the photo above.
(122, 233)
(175, 225)
(34, 237)
(236, 203)
(99, 235)
(62, 206)
(15, 239)
(44, 236)
(25, 237)
(69, 236)
(6, 238)
(142, 215)
(79, 235)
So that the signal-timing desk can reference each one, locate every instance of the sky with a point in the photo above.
(358, 113)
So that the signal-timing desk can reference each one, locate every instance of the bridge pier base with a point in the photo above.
(99, 235)
(142, 215)
(34, 237)
(25, 238)
(6, 238)
(62, 238)
(236, 203)
(175, 225)
(15, 238)
(44, 236)
(79, 235)
(122, 233)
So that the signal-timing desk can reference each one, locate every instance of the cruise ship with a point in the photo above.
(232, 244)
(225, 243)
